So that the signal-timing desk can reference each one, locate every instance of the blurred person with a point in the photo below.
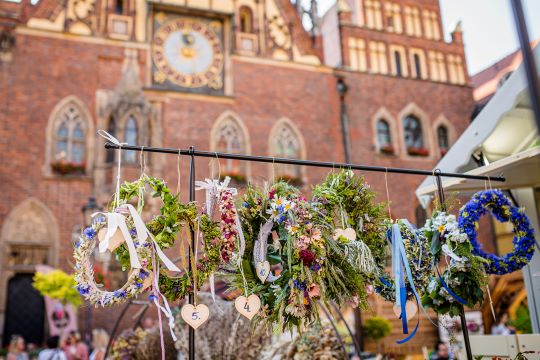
(16, 350)
(74, 348)
(501, 328)
(440, 352)
(148, 323)
(100, 340)
(53, 350)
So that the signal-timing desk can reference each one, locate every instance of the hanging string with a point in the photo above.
(273, 171)
(387, 193)
(219, 167)
(116, 142)
(140, 201)
(178, 173)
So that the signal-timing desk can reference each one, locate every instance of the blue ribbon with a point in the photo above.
(450, 291)
(400, 269)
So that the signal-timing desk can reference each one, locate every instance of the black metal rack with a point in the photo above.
(192, 153)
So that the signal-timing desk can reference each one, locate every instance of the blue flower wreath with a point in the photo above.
(499, 206)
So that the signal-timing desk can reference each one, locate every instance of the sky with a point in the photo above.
(488, 27)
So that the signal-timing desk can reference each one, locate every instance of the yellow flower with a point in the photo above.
(441, 228)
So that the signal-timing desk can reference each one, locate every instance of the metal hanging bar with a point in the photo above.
(313, 163)
(191, 297)
(464, 329)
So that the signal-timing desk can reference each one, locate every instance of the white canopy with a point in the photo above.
(504, 135)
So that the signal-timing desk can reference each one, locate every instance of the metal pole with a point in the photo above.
(191, 298)
(312, 163)
(464, 328)
(342, 318)
(528, 59)
(115, 327)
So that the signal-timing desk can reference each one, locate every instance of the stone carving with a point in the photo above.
(80, 16)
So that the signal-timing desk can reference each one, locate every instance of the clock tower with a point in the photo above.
(188, 54)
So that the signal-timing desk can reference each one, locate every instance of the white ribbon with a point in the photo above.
(117, 220)
(116, 142)
(446, 249)
(261, 246)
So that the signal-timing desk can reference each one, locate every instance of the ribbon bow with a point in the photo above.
(117, 220)
(261, 246)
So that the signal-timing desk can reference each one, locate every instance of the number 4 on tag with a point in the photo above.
(249, 307)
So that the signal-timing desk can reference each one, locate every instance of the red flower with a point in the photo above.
(308, 257)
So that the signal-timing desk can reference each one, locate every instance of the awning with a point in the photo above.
(504, 135)
(521, 170)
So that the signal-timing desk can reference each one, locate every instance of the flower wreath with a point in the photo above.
(419, 258)
(346, 201)
(464, 277)
(134, 250)
(310, 263)
(219, 240)
(499, 206)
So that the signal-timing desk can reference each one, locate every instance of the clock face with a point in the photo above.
(189, 54)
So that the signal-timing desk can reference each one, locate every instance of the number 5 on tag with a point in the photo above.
(195, 316)
(249, 307)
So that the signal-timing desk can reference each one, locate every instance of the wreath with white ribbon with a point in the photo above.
(219, 239)
(123, 231)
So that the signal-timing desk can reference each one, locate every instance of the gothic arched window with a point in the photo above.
(229, 137)
(285, 143)
(442, 137)
(384, 138)
(131, 138)
(70, 136)
(414, 137)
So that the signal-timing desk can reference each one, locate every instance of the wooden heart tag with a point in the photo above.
(115, 241)
(347, 233)
(249, 307)
(410, 309)
(195, 316)
(263, 270)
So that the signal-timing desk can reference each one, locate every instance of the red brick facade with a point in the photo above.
(46, 65)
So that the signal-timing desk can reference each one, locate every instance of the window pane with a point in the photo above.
(383, 133)
(413, 132)
(230, 138)
(131, 138)
(61, 150)
(77, 152)
(62, 132)
(78, 133)
(442, 134)
(286, 144)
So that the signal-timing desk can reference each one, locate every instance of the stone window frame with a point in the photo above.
(427, 133)
(378, 57)
(50, 135)
(358, 52)
(398, 49)
(423, 64)
(413, 21)
(229, 115)
(437, 66)
(384, 114)
(373, 14)
(393, 10)
(456, 71)
(302, 152)
(442, 120)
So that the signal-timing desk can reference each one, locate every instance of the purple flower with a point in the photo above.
(301, 285)
(143, 274)
(89, 232)
(152, 297)
(120, 294)
(315, 267)
(83, 289)
(133, 231)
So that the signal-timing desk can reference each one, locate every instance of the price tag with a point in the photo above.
(249, 307)
(195, 316)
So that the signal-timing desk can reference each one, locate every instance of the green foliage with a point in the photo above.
(522, 322)
(58, 285)
(347, 201)
(377, 328)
